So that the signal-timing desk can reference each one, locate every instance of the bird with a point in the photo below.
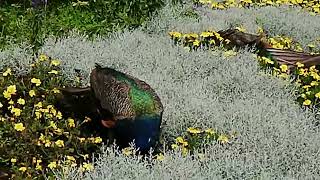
(239, 39)
(288, 57)
(125, 106)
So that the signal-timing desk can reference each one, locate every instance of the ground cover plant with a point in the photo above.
(20, 23)
(226, 115)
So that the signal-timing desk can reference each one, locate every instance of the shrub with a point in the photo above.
(35, 137)
(20, 23)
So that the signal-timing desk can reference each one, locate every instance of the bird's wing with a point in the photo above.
(112, 94)
(146, 87)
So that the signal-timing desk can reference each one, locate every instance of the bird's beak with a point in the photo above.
(109, 123)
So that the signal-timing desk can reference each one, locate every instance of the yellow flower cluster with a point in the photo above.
(313, 5)
(205, 39)
(28, 114)
(196, 137)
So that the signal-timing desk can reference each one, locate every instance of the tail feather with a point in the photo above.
(75, 90)
(292, 57)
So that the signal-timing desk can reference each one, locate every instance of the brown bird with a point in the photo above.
(240, 39)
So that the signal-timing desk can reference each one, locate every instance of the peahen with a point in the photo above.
(241, 39)
(128, 108)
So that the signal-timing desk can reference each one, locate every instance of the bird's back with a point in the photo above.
(124, 95)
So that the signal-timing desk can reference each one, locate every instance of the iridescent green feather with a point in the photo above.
(143, 101)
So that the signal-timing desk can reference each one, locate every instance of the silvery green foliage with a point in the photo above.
(283, 20)
(276, 138)
(288, 21)
(204, 89)
(18, 58)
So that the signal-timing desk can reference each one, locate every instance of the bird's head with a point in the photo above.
(76, 101)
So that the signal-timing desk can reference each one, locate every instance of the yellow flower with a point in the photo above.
(283, 75)
(127, 151)
(38, 105)
(71, 123)
(19, 127)
(267, 60)
(98, 140)
(32, 93)
(160, 157)
(42, 137)
(6, 95)
(87, 166)
(11, 102)
(53, 125)
(82, 139)
(13, 160)
(260, 29)
(38, 114)
(206, 34)
(314, 83)
(59, 143)
(23, 169)
(299, 64)
(284, 68)
(306, 87)
(43, 57)
(241, 29)
(2, 119)
(55, 90)
(21, 101)
(210, 131)
(71, 158)
(180, 140)
(212, 41)
(317, 95)
(53, 72)
(196, 43)
(307, 102)
(174, 146)
(194, 130)
(16, 111)
(184, 151)
(1, 105)
(59, 115)
(55, 62)
(52, 165)
(47, 143)
(7, 72)
(36, 81)
(12, 89)
(311, 46)
(175, 34)
(313, 69)
(38, 167)
(229, 53)
(223, 139)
